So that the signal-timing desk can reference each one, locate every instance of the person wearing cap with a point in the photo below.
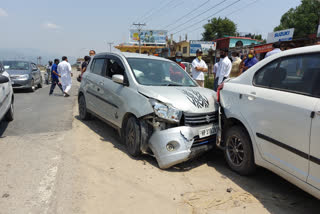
(276, 49)
(175, 74)
(224, 67)
(199, 67)
(179, 60)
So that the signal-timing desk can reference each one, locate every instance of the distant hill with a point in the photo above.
(30, 54)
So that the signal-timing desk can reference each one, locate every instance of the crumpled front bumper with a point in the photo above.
(185, 141)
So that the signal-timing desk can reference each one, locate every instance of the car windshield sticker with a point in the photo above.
(196, 98)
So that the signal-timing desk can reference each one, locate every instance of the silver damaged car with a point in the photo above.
(157, 108)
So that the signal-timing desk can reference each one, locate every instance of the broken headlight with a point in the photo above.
(166, 111)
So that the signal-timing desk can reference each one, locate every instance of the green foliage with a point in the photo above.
(208, 81)
(304, 18)
(219, 27)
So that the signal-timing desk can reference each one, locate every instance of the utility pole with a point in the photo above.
(139, 27)
(110, 44)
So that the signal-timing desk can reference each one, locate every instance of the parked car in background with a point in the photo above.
(23, 74)
(271, 118)
(6, 96)
(188, 67)
(156, 107)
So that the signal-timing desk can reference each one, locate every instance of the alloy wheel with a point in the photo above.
(235, 150)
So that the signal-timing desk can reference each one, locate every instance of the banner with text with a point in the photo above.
(282, 35)
(149, 36)
(205, 46)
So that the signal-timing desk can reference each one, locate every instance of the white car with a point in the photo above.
(6, 96)
(271, 118)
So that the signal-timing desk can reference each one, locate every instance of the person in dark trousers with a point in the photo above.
(85, 65)
(55, 77)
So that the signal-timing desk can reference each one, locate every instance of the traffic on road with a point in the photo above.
(221, 121)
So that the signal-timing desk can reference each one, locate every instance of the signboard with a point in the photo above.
(205, 46)
(282, 35)
(318, 33)
(149, 36)
(263, 48)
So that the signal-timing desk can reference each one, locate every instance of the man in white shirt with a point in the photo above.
(199, 67)
(276, 49)
(224, 66)
(64, 69)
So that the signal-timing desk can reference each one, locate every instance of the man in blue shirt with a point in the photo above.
(55, 77)
(250, 60)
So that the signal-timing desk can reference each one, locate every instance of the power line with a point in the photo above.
(179, 19)
(159, 9)
(244, 7)
(146, 14)
(235, 2)
(201, 14)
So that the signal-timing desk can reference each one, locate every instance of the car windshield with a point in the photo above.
(159, 73)
(16, 65)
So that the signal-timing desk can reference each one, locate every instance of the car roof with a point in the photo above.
(133, 55)
(15, 60)
(296, 51)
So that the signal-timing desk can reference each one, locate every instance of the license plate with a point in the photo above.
(208, 131)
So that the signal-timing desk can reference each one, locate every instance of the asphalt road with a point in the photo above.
(31, 149)
(36, 112)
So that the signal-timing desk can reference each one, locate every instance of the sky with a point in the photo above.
(71, 28)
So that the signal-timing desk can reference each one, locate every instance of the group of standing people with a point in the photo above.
(63, 71)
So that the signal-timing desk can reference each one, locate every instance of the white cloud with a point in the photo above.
(50, 25)
(3, 12)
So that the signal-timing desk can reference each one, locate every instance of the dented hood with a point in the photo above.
(187, 99)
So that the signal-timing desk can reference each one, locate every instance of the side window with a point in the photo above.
(263, 77)
(97, 66)
(299, 74)
(114, 66)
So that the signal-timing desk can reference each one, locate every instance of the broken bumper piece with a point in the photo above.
(179, 144)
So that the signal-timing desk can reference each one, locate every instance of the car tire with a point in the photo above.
(33, 87)
(9, 115)
(40, 84)
(133, 136)
(83, 112)
(238, 151)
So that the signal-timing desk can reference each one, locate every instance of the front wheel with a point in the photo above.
(238, 151)
(10, 112)
(133, 136)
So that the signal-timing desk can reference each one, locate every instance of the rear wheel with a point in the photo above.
(83, 112)
(10, 112)
(133, 136)
(40, 84)
(239, 152)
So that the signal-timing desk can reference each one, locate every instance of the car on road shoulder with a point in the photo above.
(153, 103)
(23, 74)
(6, 96)
(270, 117)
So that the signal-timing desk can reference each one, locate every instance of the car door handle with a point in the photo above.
(252, 96)
(101, 83)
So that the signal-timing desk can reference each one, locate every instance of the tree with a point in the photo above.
(217, 28)
(304, 18)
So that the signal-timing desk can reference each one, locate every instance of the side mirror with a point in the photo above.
(3, 79)
(118, 78)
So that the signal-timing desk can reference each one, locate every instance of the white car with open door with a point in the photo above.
(6, 96)
(270, 117)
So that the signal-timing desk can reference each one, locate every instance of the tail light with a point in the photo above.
(218, 91)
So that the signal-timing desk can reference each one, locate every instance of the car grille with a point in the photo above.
(200, 119)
